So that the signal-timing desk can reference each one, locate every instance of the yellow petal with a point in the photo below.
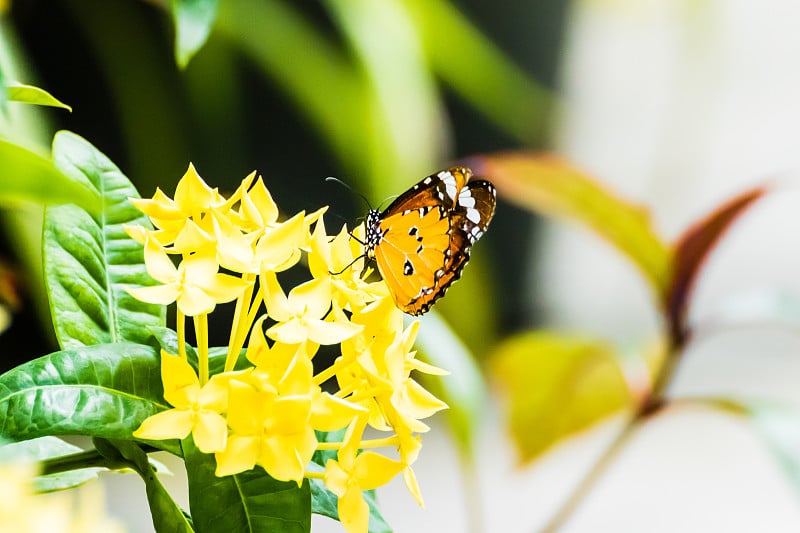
(281, 455)
(329, 413)
(192, 238)
(353, 511)
(239, 455)
(214, 394)
(299, 375)
(375, 470)
(335, 477)
(291, 415)
(257, 205)
(279, 244)
(225, 288)
(158, 294)
(323, 332)
(176, 373)
(419, 403)
(311, 299)
(158, 263)
(192, 193)
(274, 298)
(170, 424)
(210, 432)
(195, 301)
(291, 332)
(413, 487)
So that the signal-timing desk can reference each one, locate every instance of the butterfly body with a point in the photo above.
(422, 241)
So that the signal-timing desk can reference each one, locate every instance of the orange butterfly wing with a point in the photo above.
(421, 242)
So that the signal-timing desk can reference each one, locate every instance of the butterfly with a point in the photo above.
(421, 242)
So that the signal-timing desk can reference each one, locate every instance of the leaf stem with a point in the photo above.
(653, 402)
(79, 461)
(180, 325)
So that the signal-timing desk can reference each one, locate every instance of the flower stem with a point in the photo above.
(180, 324)
(201, 332)
(240, 327)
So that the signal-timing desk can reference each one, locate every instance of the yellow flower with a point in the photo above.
(269, 417)
(300, 316)
(193, 198)
(341, 260)
(196, 410)
(353, 473)
(195, 284)
(23, 511)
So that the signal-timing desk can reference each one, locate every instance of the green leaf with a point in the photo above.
(691, 251)
(102, 391)
(249, 502)
(26, 176)
(89, 259)
(552, 186)
(555, 386)
(464, 389)
(167, 516)
(47, 448)
(193, 21)
(325, 503)
(28, 94)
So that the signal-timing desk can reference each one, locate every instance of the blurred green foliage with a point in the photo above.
(377, 93)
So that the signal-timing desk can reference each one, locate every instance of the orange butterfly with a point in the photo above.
(421, 242)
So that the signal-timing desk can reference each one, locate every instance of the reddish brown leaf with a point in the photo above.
(691, 251)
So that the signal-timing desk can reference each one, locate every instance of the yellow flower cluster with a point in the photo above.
(24, 511)
(267, 414)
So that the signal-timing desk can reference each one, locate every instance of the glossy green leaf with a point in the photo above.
(464, 389)
(28, 94)
(44, 448)
(167, 516)
(89, 260)
(325, 503)
(250, 502)
(193, 21)
(555, 386)
(104, 391)
(691, 251)
(554, 187)
(26, 176)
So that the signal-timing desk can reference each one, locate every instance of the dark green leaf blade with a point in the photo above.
(102, 391)
(249, 502)
(89, 259)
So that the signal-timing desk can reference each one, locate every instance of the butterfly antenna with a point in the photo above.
(362, 256)
(348, 187)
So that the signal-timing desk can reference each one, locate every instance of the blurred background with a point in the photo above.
(675, 104)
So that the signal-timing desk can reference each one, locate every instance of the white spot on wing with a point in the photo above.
(466, 200)
(473, 215)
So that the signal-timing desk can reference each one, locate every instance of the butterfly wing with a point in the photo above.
(474, 210)
(422, 241)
